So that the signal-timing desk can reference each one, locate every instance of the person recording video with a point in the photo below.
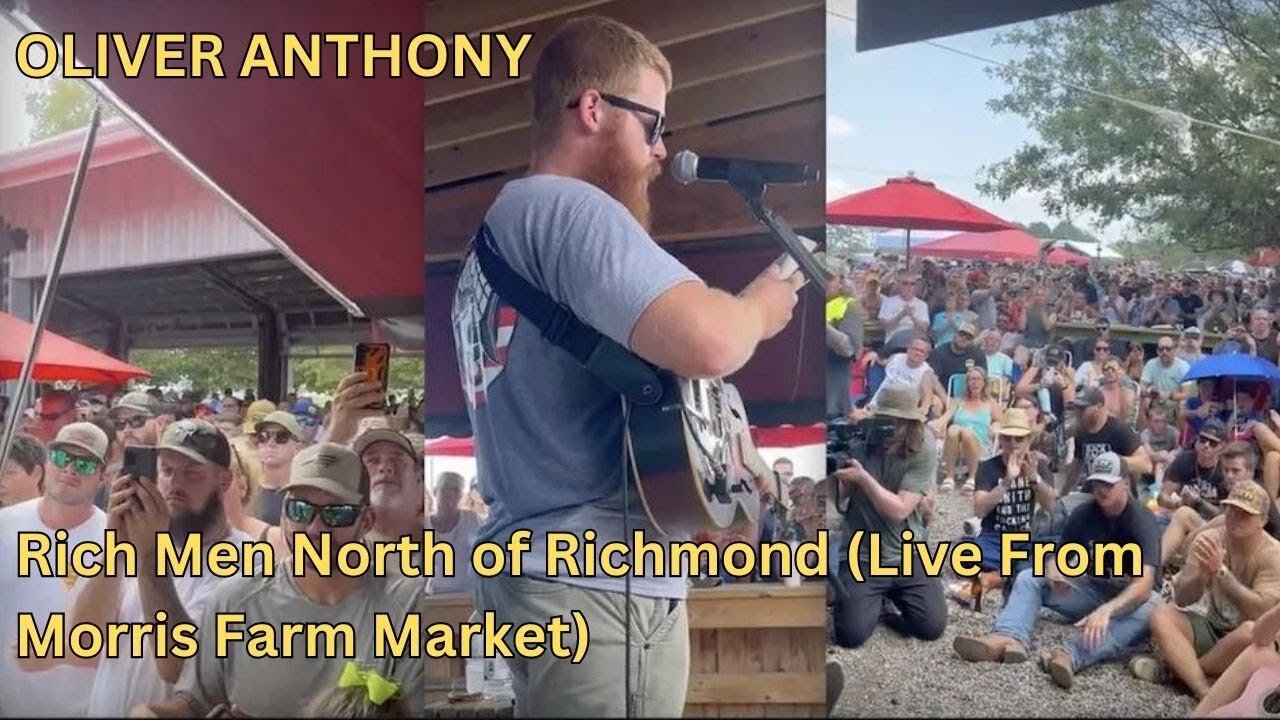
(883, 497)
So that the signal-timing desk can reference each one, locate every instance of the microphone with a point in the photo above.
(686, 167)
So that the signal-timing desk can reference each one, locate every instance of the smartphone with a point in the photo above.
(374, 359)
(139, 462)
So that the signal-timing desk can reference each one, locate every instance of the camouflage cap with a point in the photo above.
(199, 440)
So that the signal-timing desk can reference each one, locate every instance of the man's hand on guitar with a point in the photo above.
(773, 299)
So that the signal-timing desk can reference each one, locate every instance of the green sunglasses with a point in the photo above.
(335, 516)
(84, 465)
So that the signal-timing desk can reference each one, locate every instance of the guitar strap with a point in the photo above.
(615, 366)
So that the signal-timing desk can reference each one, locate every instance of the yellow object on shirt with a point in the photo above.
(837, 307)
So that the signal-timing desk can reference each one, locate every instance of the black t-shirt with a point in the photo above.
(1184, 470)
(1188, 305)
(1114, 436)
(1013, 512)
(946, 362)
(1088, 526)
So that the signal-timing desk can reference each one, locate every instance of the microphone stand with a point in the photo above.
(752, 188)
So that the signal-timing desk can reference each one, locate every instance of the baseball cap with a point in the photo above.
(1054, 354)
(134, 402)
(284, 419)
(1214, 429)
(969, 329)
(54, 402)
(331, 468)
(83, 436)
(197, 439)
(1250, 497)
(257, 410)
(1192, 331)
(1090, 397)
(377, 435)
(1106, 468)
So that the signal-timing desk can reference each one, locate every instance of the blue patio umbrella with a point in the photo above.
(1235, 366)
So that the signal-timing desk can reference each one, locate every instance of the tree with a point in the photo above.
(1040, 230)
(1215, 60)
(209, 369)
(60, 105)
(845, 241)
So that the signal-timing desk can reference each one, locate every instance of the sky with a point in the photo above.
(919, 108)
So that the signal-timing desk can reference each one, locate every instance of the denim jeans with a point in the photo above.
(1030, 593)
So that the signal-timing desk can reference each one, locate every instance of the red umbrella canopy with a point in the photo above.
(451, 447)
(58, 358)
(1265, 257)
(1006, 245)
(1063, 256)
(912, 204)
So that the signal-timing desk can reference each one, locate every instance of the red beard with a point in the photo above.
(626, 184)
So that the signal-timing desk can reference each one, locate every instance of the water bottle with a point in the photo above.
(475, 661)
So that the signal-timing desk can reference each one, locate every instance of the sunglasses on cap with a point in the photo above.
(653, 132)
(335, 516)
(279, 436)
(1209, 441)
(135, 422)
(83, 465)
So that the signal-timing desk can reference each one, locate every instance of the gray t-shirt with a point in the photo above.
(548, 434)
(283, 686)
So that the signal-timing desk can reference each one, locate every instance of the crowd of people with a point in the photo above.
(231, 469)
(1011, 385)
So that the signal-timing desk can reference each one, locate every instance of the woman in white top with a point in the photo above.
(456, 526)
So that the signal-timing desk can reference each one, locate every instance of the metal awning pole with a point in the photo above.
(50, 284)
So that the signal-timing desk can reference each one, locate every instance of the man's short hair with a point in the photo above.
(588, 53)
(1239, 449)
(28, 452)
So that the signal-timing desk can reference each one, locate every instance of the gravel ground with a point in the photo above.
(892, 676)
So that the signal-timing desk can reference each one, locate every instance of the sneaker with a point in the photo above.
(1149, 668)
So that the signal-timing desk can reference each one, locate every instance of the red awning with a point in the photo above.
(58, 358)
(1003, 246)
(450, 447)
(912, 204)
(786, 436)
(331, 167)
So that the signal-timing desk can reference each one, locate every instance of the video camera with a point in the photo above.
(861, 441)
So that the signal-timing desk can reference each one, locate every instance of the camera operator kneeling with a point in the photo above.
(885, 500)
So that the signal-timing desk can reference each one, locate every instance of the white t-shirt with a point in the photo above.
(898, 372)
(59, 692)
(892, 305)
(126, 681)
(463, 538)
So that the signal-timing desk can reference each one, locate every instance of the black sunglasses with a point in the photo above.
(135, 422)
(1211, 442)
(280, 436)
(653, 133)
(335, 516)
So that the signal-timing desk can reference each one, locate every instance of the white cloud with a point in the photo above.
(838, 186)
(838, 127)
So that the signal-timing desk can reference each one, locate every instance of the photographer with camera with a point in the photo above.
(879, 491)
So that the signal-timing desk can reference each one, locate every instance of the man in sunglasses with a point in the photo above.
(53, 411)
(278, 438)
(549, 434)
(77, 456)
(327, 494)
(1162, 375)
(136, 419)
(193, 468)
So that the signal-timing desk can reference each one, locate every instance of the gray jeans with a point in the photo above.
(548, 686)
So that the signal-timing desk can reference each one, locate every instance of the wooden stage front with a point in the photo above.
(755, 650)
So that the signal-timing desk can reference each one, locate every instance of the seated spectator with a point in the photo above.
(1160, 438)
(1113, 611)
(970, 423)
(1237, 568)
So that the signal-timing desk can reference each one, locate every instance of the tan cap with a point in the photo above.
(898, 400)
(257, 410)
(199, 440)
(135, 402)
(969, 329)
(378, 435)
(283, 419)
(331, 468)
(84, 436)
(1015, 423)
(1250, 497)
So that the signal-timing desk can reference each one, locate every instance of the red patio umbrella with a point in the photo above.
(451, 447)
(1004, 246)
(789, 435)
(1063, 256)
(912, 204)
(58, 358)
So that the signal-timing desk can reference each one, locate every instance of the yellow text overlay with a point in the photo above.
(964, 559)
